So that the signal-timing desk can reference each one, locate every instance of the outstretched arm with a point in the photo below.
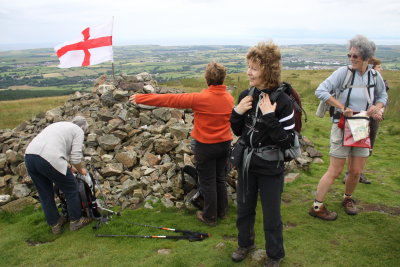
(165, 100)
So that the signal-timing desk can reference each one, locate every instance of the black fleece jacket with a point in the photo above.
(275, 128)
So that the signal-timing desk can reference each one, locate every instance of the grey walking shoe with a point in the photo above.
(363, 179)
(78, 224)
(58, 227)
(241, 252)
(272, 262)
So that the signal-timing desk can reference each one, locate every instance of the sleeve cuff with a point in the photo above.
(237, 111)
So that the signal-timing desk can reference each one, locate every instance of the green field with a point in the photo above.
(371, 238)
(38, 67)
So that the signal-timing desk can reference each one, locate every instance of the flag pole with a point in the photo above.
(113, 72)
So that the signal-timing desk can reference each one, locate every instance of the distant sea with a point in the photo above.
(184, 42)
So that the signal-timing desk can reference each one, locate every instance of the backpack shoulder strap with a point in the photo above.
(374, 75)
(349, 79)
(274, 95)
(251, 91)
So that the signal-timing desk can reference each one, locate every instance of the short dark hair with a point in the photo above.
(215, 74)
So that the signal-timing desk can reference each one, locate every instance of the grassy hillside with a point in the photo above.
(14, 112)
(304, 81)
(371, 238)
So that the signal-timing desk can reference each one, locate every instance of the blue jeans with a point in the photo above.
(43, 176)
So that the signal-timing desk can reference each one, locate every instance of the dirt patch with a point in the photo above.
(380, 208)
(289, 225)
(334, 242)
(33, 243)
(229, 237)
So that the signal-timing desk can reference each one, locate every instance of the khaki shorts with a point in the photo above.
(339, 151)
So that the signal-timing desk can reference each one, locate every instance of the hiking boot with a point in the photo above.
(363, 179)
(272, 262)
(58, 227)
(349, 206)
(199, 215)
(78, 224)
(323, 213)
(241, 252)
(223, 217)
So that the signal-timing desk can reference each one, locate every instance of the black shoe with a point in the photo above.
(241, 252)
(364, 180)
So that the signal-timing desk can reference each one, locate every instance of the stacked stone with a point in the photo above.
(138, 150)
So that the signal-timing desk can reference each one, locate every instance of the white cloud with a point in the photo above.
(199, 21)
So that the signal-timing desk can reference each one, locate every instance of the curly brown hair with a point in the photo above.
(268, 56)
(215, 74)
(374, 62)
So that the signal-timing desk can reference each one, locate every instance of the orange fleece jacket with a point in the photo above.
(212, 109)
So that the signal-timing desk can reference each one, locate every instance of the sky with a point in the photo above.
(47, 23)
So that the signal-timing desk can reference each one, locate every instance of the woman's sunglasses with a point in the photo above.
(352, 56)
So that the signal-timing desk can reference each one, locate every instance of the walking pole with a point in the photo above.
(186, 233)
(147, 236)
(189, 235)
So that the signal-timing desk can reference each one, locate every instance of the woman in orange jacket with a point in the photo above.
(212, 109)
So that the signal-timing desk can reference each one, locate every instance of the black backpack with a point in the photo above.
(88, 199)
(89, 206)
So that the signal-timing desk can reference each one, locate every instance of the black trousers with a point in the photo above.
(211, 162)
(270, 189)
(43, 176)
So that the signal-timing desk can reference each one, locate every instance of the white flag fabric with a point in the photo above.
(94, 47)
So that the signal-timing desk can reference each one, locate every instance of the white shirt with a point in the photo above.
(59, 143)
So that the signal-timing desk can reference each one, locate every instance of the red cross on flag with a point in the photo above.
(94, 47)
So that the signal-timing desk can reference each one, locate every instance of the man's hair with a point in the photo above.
(365, 47)
(374, 62)
(215, 74)
(268, 56)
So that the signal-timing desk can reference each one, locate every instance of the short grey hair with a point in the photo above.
(81, 122)
(365, 47)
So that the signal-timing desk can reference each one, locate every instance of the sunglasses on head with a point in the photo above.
(352, 56)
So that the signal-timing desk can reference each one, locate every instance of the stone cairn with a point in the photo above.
(138, 150)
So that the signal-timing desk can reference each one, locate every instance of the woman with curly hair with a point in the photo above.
(265, 129)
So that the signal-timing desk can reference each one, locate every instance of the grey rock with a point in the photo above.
(20, 190)
(259, 256)
(167, 202)
(162, 113)
(112, 169)
(127, 158)
(108, 142)
(4, 199)
(149, 89)
(179, 131)
(19, 204)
